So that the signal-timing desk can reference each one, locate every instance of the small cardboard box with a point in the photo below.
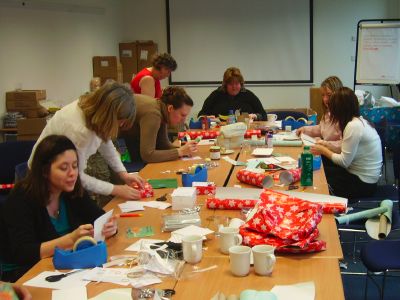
(32, 126)
(106, 67)
(145, 52)
(316, 102)
(24, 99)
(129, 60)
(183, 197)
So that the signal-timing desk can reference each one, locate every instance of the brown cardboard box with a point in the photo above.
(145, 52)
(105, 67)
(32, 126)
(129, 60)
(316, 101)
(24, 99)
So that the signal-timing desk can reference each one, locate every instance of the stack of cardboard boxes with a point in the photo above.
(133, 57)
(27, 103)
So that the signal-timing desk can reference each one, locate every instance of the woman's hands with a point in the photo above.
(126, 192)
(111, 227)
(130, 178)
(83, 230)
(188, 149)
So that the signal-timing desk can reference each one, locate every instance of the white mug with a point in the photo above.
(239, 257)
(236, 222)
(272, 117)
(264, 259)
(228, 237)
(192, 247)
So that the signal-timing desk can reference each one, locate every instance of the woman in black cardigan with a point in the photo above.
(47, 209)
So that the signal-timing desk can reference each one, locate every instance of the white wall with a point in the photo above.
(334, 25)
(52, 49)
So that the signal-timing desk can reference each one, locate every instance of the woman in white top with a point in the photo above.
(91, 123)
(358, 165)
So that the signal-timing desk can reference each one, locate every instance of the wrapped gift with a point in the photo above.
(233, 204)
(205, 188)
(205, 134)
(147, 190)
(249, 133)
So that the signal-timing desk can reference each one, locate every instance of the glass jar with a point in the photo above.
(215, 152)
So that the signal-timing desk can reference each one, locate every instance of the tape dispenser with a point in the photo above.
(86, 253)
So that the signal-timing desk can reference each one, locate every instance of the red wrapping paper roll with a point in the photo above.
(206, 134)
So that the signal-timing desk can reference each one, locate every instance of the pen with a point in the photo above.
(130, 215)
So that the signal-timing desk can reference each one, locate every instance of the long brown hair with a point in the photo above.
(343, 106)
(231, 74)
(333, 83)
(36, 183)
(106, 106)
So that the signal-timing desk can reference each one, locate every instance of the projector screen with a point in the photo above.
(269, 40)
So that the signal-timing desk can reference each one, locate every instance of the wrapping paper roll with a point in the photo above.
(249, 133)
(379, 226)
(257, 179)
(369, 213)
(231, 204)
(208, 190)
(288, 177)
(6, 186)
(298, 143)
(206, 134)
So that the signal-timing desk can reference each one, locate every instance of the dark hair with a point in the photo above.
(343, 107)
(176, 96)
(36, 183)
(164, 60)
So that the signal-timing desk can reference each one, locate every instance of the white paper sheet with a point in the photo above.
(209, 142)
(307, 140)
(99, 224)
(238, 193)
(233, 162)
(138, 244)
(300, 291)
(74, 280)
(112, 275)
(131, 206)
(314, 197)
(176, 236)
(191, 158)
(262, 151)
(157, 204)
(76, 293)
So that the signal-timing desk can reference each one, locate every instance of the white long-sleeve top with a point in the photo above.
(70, 122)
(361, 152)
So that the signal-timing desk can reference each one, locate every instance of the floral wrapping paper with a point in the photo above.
(208, 190)
(209, 134)
(146, 192)
(6, 186)
(232, 204)
(249, 133)
(255, 179)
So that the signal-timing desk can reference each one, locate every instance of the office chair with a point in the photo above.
(380, 257)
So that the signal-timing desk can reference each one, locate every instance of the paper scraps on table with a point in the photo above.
(307, 140)
(191, 158)
(99, 224)
(129, 206)
(157, 204)
(76, 293)
(138, 245)
(177, 235)
(233, 162)
(299, 291)
(65, 283)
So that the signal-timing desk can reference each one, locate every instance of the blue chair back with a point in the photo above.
(283, 114)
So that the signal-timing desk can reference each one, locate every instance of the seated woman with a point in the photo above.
(147, 140)
(358, 165)
(232, 95)
(326, 131)
(147, 81)
(91, 123)
(47, 209)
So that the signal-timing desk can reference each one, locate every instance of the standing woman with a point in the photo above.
(147, 81)
(47, 209)
(358, 165)
(91, 123)
(326, 131)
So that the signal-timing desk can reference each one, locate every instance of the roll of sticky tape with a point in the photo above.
(84, 242)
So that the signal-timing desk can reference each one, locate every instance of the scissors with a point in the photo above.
(55, 278)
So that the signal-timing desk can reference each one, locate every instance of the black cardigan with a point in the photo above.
(24, 225)
(219, 103)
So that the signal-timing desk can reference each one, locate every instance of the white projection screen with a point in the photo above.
(269, 40)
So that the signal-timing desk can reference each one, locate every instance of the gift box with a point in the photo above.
(183, 197)
(249, 133)
(205, 188)
(147, 190)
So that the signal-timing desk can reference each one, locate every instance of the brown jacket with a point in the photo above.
(147, 140)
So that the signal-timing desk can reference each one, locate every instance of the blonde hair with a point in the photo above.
(231, 74)
(333, 83)
(106, 106)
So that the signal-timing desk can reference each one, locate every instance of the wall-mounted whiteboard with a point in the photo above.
(378, 53)
(269, 40)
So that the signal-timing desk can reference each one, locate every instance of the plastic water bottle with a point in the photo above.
(268, 139)
(231, 117)
(306, 167)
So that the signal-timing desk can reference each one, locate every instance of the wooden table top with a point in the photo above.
(289, 269)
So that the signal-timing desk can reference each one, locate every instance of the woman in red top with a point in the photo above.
(147, 81)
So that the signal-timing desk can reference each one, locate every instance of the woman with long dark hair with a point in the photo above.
(357, 167)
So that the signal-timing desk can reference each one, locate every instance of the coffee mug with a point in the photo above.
(228, 237)
(192, 247)
(239, 257)
(236, 222)
(272, 117)
(264, 259)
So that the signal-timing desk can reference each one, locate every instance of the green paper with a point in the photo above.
(389, 205)
(365, 214)
(163, 183)
(284, 143)
(140, 232)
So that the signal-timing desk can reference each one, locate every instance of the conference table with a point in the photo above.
(322, 267)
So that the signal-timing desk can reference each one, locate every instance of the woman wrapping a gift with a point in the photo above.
(91, 123)
(147, 140)
(326, 132)
(357, 167)
(232, 95)
(47, 209)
